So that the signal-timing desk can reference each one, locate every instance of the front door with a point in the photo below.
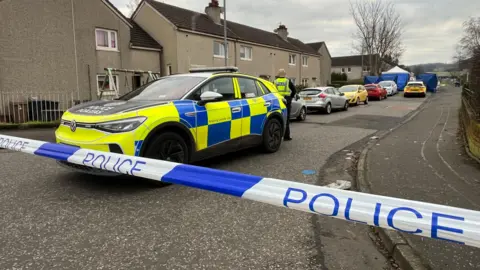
(216, 121)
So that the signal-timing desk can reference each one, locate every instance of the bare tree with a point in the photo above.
(379, 30)
(471, 37)
(132, 5)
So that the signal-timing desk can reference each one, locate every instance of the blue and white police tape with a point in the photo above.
(452, 224)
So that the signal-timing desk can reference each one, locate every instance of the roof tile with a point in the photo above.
(140, 38)
(191, 20)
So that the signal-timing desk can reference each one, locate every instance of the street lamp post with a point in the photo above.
(225, 45)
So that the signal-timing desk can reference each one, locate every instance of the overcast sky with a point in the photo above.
(432, 27)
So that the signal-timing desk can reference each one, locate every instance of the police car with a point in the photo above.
(181, 118)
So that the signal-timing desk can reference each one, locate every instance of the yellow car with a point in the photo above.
(355, 93)
(415, 88)
(181, 118)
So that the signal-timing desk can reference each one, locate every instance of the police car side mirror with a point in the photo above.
(209, 96)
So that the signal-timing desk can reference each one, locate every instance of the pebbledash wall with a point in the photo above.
(470, 112)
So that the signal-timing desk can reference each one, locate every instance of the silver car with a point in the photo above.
(298, 109)
(324, 99)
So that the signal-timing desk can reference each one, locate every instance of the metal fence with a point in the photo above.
(23, 107)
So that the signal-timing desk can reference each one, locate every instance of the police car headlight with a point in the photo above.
(121, 125)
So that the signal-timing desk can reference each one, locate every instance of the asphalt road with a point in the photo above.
(56, 219)
(425, 160)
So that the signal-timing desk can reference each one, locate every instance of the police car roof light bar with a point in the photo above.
(214, 69)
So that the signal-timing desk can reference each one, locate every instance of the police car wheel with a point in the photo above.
(272, 135)
(168, 146)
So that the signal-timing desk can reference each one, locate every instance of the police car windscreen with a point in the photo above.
(168, 88)
(348, 88)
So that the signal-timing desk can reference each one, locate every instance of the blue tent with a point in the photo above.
(370, 79)
(430, 80)
(388, 77)
(401, 77)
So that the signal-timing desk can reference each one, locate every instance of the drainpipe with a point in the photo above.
(235, 42)
(75, 49)
(301, 67)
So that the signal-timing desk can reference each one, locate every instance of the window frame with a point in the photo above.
(109, 37)
(305, 81)
(251, 53)
(116, 78)
(189, 96)
(304, 61)
(349, 70)
(260, 91)
(294, 57)
(342, 70)
(225, 50)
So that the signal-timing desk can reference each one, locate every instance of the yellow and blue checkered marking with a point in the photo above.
(218, 122)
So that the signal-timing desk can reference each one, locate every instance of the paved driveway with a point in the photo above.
(53, 218)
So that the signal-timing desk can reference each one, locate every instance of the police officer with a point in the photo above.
(287, 89)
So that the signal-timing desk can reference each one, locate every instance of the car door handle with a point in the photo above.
(190, 114)
(236, 109)
(267, 104)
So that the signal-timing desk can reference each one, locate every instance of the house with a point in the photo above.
(325, 61)
(352, 65)
(192, 39)
(58, 50)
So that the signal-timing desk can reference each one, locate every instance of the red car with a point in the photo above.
(376, 91)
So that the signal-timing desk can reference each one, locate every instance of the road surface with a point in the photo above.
(53, 218)
(425, 160)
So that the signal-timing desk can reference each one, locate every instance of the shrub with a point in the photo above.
(339, 76)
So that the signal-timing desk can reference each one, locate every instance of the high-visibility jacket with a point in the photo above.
(282, 85)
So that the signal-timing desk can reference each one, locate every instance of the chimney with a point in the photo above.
(213, 10)
(282, 32)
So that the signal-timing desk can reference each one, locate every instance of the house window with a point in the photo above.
(292, 59)
(108, 85)
(245, 53)
(219, 49)
(343, 70)
(305, 82)
(292, 79)
(305, 61)
(106, 39)
(349, 70)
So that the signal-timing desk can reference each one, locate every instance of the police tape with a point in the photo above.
(447, 223)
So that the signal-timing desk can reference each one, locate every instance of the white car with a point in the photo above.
(390, 86)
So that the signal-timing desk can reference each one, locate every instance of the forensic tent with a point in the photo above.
(430, 80)
(388, 77)
(402, 76)
(370, 79)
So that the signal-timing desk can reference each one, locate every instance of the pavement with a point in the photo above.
(425, 160)
(53, 218)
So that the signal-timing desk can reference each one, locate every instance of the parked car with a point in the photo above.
(323, 99)
(375, 91)
(298, 109)
(180, 118)
(355, 93)
(390, 86)
(416, 88)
